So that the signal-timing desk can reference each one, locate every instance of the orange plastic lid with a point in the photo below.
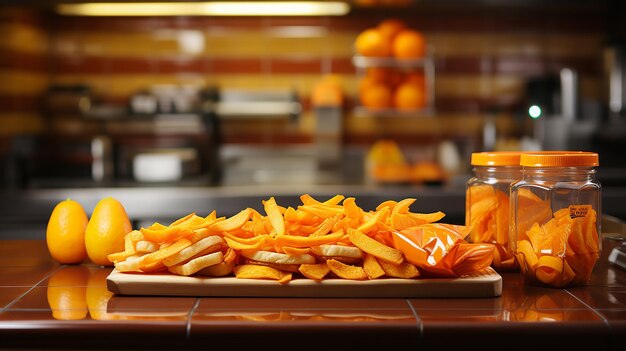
(559, 159)
(496, 158)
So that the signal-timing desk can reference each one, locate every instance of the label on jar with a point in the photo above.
(576, 211)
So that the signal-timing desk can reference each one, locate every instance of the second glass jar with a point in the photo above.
(487, 203)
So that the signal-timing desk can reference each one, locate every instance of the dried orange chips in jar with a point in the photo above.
(556, 208)
(487, 203)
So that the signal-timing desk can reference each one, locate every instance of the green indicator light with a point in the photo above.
(534, 111)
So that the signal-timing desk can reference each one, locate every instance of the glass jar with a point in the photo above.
(487, 204)
(556, 211)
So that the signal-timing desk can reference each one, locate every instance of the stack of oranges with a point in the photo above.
(388, 86)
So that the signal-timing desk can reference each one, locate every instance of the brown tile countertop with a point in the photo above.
(44, 305)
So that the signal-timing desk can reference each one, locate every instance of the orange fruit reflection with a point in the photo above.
(97, 294)
(66, 293)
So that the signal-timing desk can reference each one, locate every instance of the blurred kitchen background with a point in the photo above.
(177, 113)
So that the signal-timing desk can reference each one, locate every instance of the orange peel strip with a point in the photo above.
(164, 253)
(352, 210)
(549, 269)
(182, 219)
(193, 250)
(326, 226)
(428, 217)
(129, 247)
(235, 222)
(275, 215)
(246, 241)
(372, 268)
(253, 271)
(236, 245)
(290, 215)
(375, 248)
(154, 267)
(230, 255)
(389, 204)
(321, 210)
(307, 199)
(316, 271)
(295, 251)
(372, 222)
(303, 241)
(334, 201)
(306, 218)
(404, 270)
(346, 271)
(403, 205)
(165, 235)
(525, 248)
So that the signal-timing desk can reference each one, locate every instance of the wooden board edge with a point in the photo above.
(464, 288)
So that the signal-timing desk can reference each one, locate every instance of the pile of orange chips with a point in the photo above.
(555, 249)
(392, 241)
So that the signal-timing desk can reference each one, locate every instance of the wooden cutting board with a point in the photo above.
(487, 283)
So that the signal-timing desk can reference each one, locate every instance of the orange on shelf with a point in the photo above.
(427, 172)
(386, 162)
(391, 27)
(389, 173)
(379, 74)
(409, 96)
(409, 44)
(372, 43)
(327, 92)
(377, 96)
(416, 78)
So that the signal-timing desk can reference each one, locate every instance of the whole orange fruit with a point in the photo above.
(409, 43)
(65, 233)
(391, 27)
(371, 42)
(379, 74)
(416, 78)
(377, 96)
(409, 96)
(106, 229)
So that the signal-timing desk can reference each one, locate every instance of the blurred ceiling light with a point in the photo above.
(214, 8)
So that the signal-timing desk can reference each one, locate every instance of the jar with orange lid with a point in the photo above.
(556, 211)
(487, 203)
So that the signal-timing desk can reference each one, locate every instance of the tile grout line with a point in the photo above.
(7, 307)
(420, 325)
(189, 316)
(606, 322)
